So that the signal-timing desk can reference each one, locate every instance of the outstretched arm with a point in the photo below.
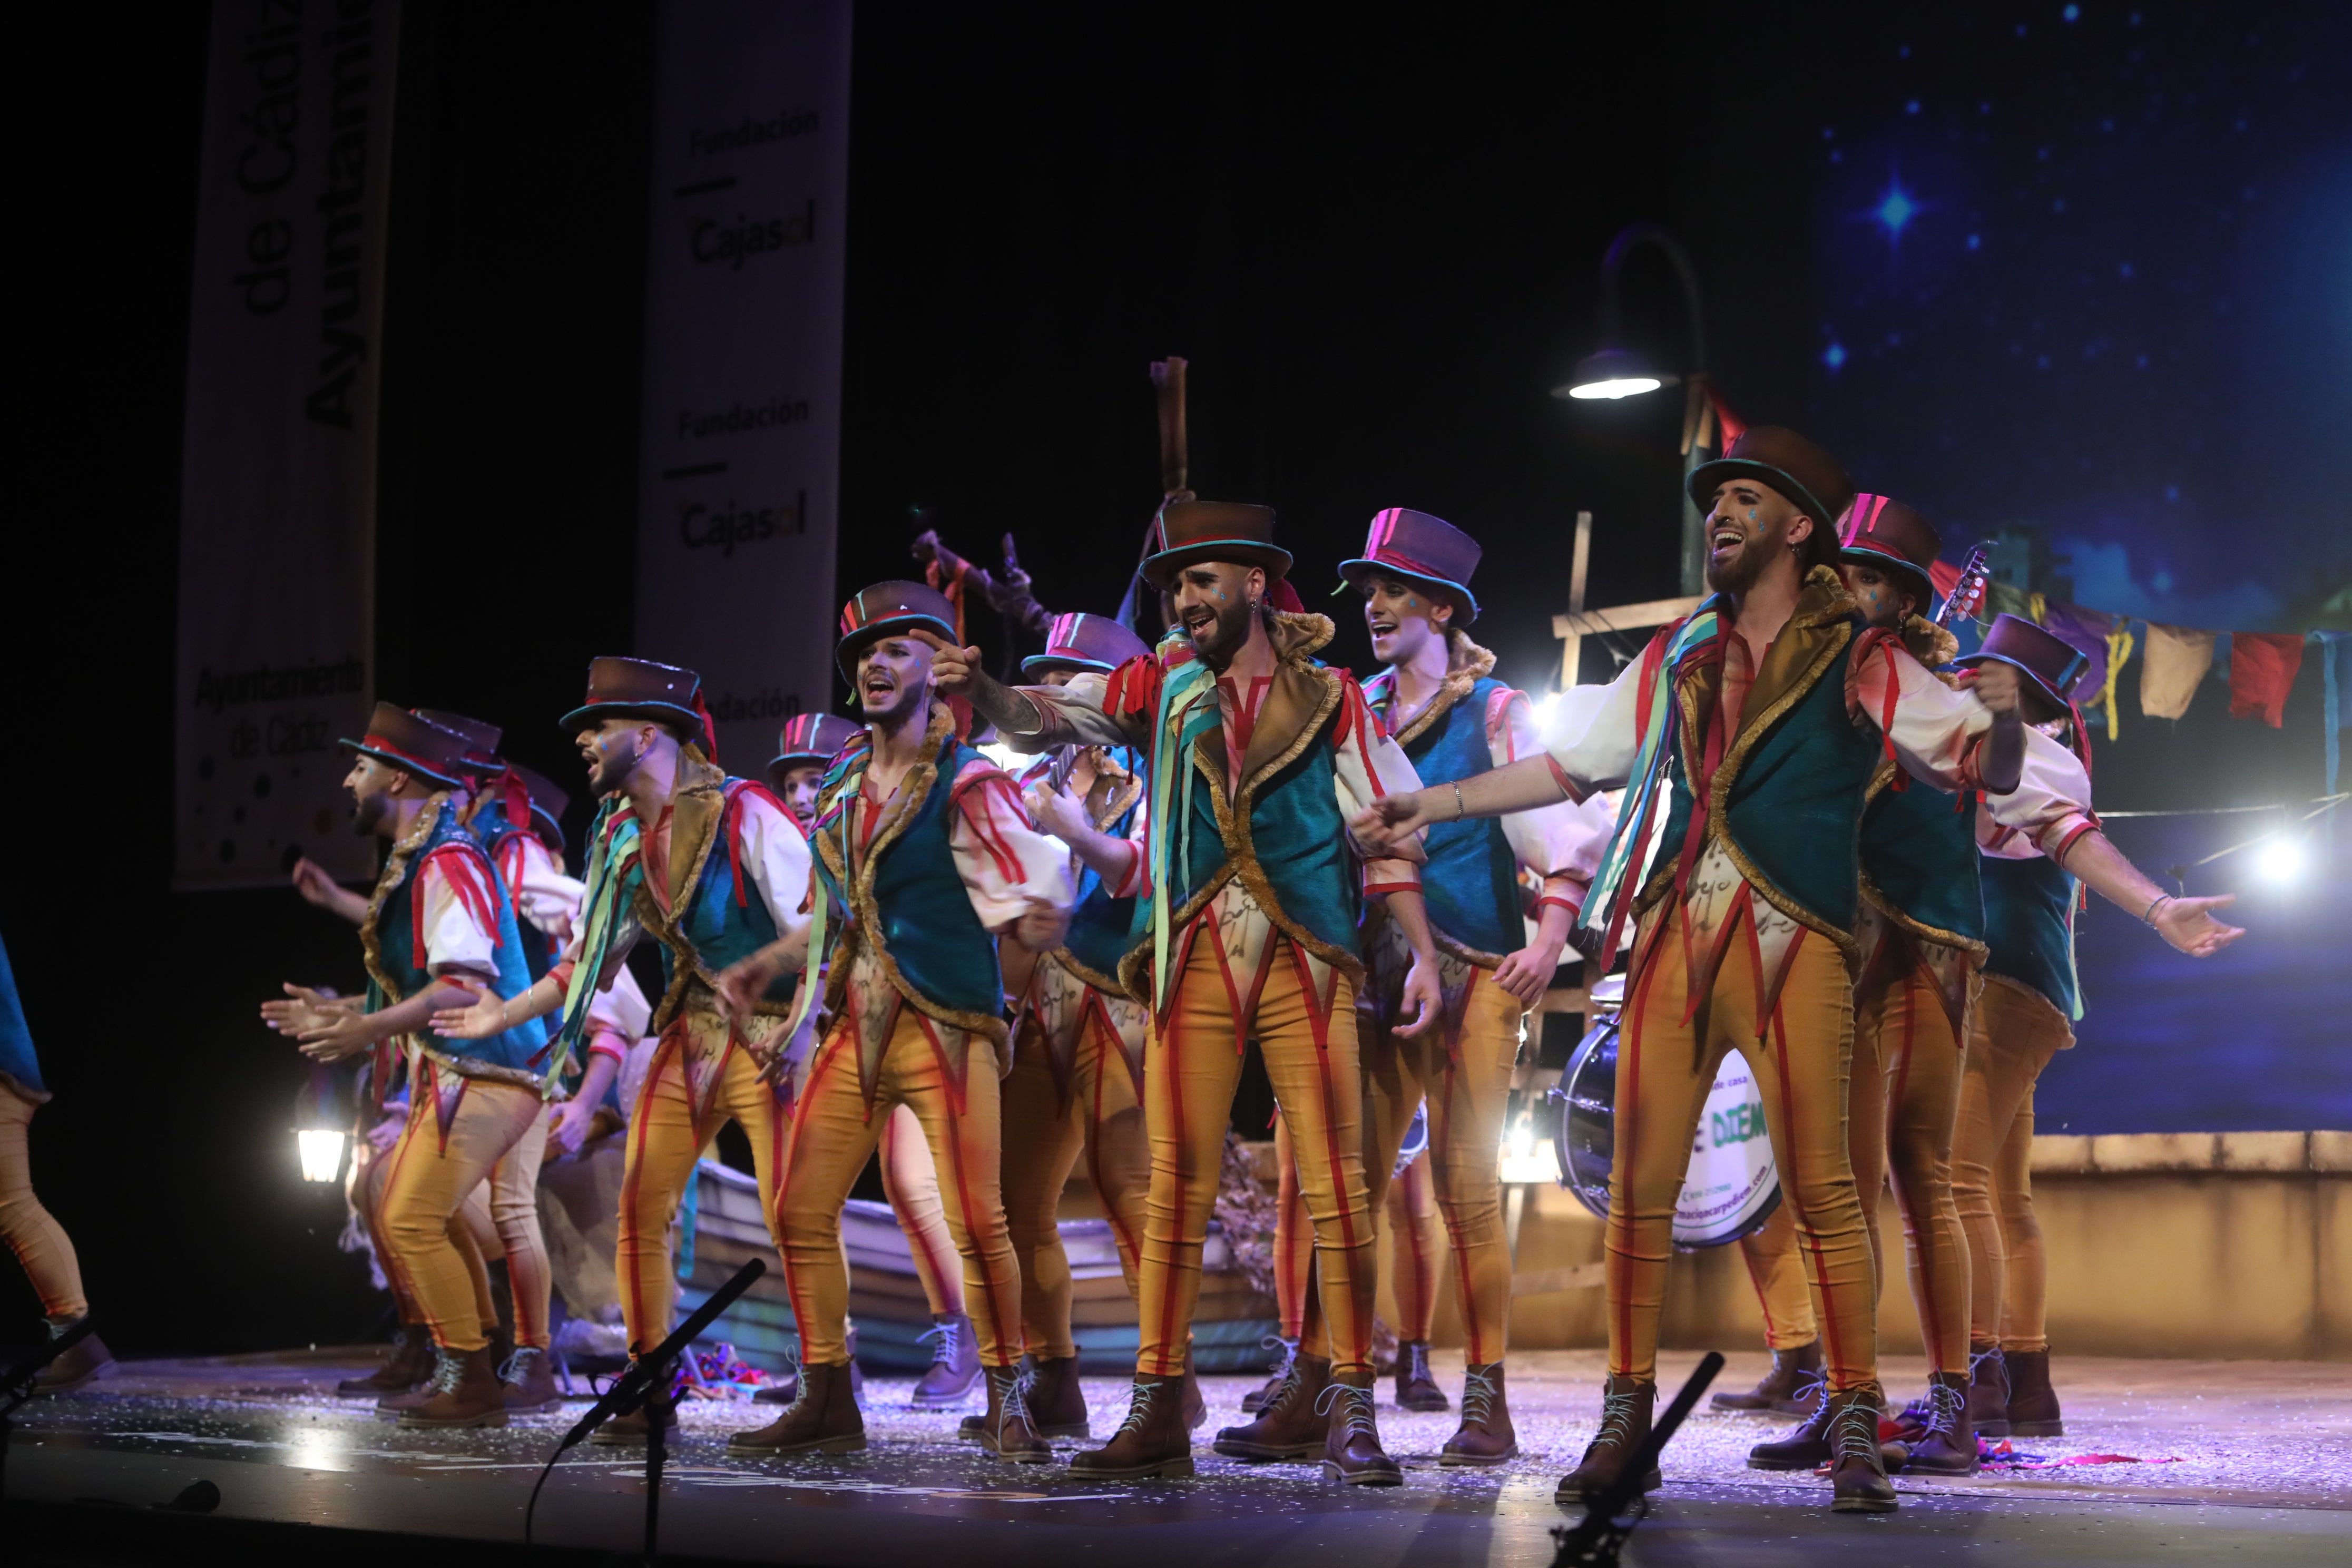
(2187, 923)
(1523, 786)
(311, 880)
(1029, 719)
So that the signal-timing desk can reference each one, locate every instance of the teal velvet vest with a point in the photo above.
(910, 898)
(1101, 926)
(493, 830)
(1471, 883)
(2029, 908)
(1294, 839)
(1794, 813)
(1919, 853)
(397, 971)
(722, 919)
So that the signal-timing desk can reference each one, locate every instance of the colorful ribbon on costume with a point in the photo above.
(2120, 643)
(1640, 820)
(615, 870)
(1188, 710)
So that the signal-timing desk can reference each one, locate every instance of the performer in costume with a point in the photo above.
(517, 816)
(1438, 697)
(1919, 938)
(2024, 1016)
(440, 932)
(1259, 754)
(808, 742)
(1078, 1054)
(714, 868)
(925, 843)
(39, 1242)
(1736, 733)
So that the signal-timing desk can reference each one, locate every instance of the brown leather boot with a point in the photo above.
(1058, 1406)
(410, 1363)
(825, 1419)
(1007, 1431)
(1486, 1435)
(787, 1388)
(1858, 1482)
(1152, 1441)
(530, 1382)
(1626, 1406)
(1352, 1453)
(1793, 1387)
(1987, 1391)
(84, 1364)
(1416, 1389)
(628, 1431)
(465, 1392)
(1803, 1447)
(2032, 1403)
(1286, 1350)
(1196, 1409)
(1935, 1432)
(955, 1363)
(1289, 1426)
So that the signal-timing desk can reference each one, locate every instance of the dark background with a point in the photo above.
(1375, 236)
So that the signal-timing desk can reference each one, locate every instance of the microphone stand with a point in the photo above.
(17, 1383)
(1596, 1542)
(645, 1385)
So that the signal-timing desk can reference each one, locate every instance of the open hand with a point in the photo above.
(307, 1009)
(1422, 998)
(332, 1035)
(1388, 822)
(485, 1015)
(2189, 926)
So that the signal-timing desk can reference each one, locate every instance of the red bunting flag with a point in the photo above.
(2262, 666)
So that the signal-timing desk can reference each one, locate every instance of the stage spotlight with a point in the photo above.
(322, 1153)
(2280, 860)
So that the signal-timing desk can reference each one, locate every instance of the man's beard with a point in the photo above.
(1743, 571)
(610, 773)
(368, 812)
(1227, 631)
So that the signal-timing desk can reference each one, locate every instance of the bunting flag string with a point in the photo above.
(2259, 666)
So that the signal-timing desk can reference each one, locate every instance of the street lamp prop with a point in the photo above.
(1614, 372)
(319, 1131)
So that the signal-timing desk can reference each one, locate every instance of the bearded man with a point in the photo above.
(1747, 735)
(1244, 928)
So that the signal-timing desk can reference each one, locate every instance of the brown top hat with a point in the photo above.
(1422, 549)
(1193, 530)
(2053, 664)
(809, 738)
(1881, 532)
(1785, 460)
(481, 740)
(886, 609)
(548, 802)
(401, 739)
(640, 689)
(1081, 641)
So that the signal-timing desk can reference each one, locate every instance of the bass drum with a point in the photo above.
(1731, 1186)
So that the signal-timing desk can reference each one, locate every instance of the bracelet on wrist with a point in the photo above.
(2148, 915)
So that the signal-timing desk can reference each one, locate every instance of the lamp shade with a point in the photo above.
(1611, 373)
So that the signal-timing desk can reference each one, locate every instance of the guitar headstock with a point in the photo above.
(1966, 599)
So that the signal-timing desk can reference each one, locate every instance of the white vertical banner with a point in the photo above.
(741, 452)
(277, 596)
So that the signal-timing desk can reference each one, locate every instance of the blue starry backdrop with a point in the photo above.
(2088, 268)
(2083, 283)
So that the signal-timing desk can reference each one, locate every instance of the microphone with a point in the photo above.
(633, 1387)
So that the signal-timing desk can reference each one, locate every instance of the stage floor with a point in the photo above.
(2251, 1462)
